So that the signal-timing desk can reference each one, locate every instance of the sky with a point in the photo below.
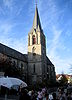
(16, 19)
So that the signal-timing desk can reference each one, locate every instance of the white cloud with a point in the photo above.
(5, 28)
(57, 34)
(62, 64)
(20, 45)
(13, 42)
(56, 43)
(19, 11)
(5, 40)
(8, 3)
(20, 7)
(17, 44)
(2, 11)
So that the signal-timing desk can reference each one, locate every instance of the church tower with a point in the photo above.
(36, 51)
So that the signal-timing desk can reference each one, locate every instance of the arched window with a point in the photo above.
(47, 76)
(34, 68)
(28, 40)
(44, 68)
(14, 63)
(33, 49)
(37, 38)
(34, 39)
(22, 67)
(47, 69)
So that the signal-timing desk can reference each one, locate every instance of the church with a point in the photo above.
(33, 67)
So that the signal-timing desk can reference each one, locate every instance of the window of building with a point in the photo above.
(47, 69)
(34, 54)
(35, 30)
(29, 40)
(34, 68)
(14, 63)
(44, 68)
(34, 39)
(22, 66)
(47, 76)
(37, 38)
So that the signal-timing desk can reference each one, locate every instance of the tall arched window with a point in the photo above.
(28, 40)
(37, 38)
(34, 39)
(14, 63)
(34, 68)
(21, 65)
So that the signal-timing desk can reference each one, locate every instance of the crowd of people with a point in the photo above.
(45, 94)
(60, 93)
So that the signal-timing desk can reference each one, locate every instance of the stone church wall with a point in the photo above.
(11, 57)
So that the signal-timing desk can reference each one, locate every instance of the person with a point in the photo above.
(24, 95)
(19, 90)
(50, 97)
(46, 96)
(62, 96)
(32, 95)
(54, 96)
(69, 96)
(40, 95)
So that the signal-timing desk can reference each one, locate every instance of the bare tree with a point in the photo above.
(70, 68)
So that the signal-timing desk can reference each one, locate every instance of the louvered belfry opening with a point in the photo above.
(34, 39)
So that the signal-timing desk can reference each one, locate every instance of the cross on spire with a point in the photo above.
(36, 22)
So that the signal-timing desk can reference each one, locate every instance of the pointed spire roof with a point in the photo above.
(36, 21)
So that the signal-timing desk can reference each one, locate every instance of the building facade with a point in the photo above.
(35, 67)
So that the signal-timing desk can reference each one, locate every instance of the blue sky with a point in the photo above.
(16, 19)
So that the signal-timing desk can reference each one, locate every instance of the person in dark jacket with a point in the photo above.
(24, 95)
(54, 96)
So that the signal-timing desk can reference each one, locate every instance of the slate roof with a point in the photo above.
(48, 61)
(36, 22)
(13, 53)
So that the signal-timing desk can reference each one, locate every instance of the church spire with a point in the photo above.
(36, 21)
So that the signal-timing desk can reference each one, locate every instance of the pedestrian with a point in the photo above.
(40, 95)
(69, 96)
(50, 97)
(46, 96)
(54, 96)
(24, 95)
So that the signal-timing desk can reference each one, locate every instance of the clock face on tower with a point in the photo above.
(33, 51)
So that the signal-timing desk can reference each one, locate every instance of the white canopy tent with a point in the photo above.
(11, 82)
